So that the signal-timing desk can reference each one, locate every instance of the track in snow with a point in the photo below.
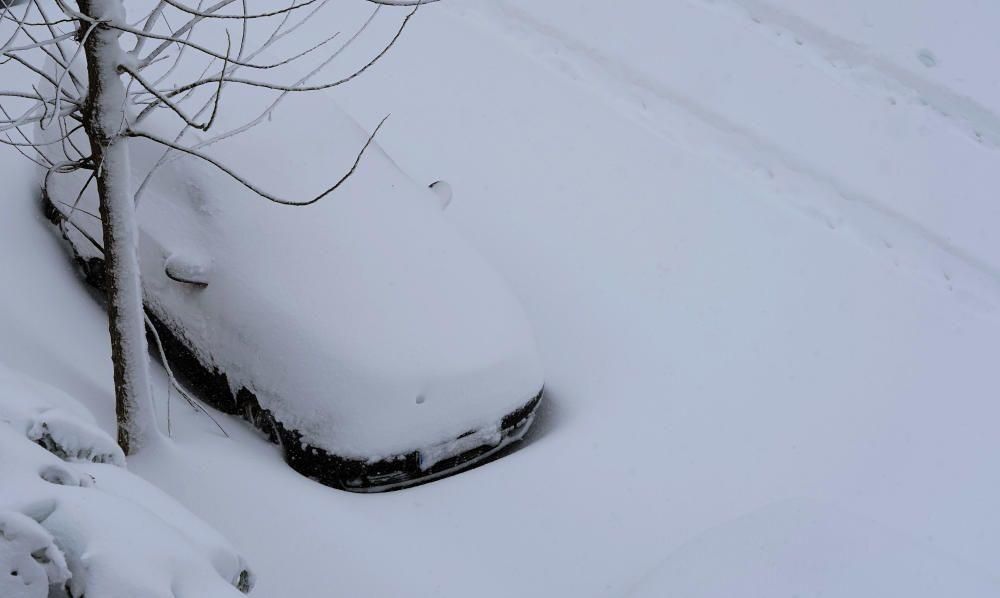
(684, 119)
(865, 67)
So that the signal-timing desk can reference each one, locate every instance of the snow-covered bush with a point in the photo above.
(75, 522)
(30, 561)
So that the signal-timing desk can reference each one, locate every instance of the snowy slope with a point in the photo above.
(753, 279)
(854, 136)
(72, 518)
(805, 548)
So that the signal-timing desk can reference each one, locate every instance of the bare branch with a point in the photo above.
(173, 379)
(269, 109)
(47, 42)
(212, 14)
(301, 88)
(241, 180)
(148, 24)
(182, 30)
(401, 2)
(164, 100)
(278, 33)
(81, 210)
(21, 23)
(30, 117)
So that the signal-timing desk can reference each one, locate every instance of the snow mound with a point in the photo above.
(30, 561)
(71, 440)
(74, 520)
(54, 421)
(21, 398)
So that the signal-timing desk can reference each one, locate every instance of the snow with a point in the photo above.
(54, 420)
(444, 192)
(754, 380)
(70, 512)
(71, 440)
(188, 268)
(29, 559)
(797, 547)
(883, 172)
(895, 34)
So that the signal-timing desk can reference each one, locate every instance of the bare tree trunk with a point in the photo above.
(105, 121)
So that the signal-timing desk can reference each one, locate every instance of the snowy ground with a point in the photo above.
(754, 240)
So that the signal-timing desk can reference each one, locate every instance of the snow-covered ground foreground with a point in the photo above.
(755, 242)
(71, 515)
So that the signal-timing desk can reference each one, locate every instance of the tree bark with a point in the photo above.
(105, 116)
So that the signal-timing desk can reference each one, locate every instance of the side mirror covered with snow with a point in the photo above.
(443, 190)
(188, 269)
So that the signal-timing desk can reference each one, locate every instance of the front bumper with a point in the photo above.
(410, 469)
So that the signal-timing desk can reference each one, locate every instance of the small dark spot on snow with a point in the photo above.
(421, 399)
(926, 58)
(14, 572)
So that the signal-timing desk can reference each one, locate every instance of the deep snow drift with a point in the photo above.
(72, 517)
(763, 292)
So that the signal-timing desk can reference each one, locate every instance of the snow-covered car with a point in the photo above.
(361, 332)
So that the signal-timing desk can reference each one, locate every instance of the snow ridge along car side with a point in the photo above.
(361, 333)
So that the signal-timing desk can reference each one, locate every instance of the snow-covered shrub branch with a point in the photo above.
(74, 522)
